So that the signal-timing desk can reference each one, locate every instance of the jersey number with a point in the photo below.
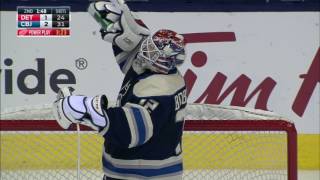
(149, 104)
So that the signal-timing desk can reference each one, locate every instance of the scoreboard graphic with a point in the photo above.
(43, 21)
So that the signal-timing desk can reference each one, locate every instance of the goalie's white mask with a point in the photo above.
(163, 51)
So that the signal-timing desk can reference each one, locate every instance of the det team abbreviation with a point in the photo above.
(43, 21)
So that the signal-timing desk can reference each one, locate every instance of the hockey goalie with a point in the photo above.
(143, 131)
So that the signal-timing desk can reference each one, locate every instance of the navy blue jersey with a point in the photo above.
(143, 140)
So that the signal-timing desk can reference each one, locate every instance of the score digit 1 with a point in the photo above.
(45, 17)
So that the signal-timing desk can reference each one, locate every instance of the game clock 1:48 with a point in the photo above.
(41, 11)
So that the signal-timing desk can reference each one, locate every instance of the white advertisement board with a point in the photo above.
(260, 60)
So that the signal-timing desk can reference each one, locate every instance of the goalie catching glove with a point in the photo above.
(119, 26)
(89, 111)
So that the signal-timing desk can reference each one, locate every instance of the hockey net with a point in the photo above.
(219, 143)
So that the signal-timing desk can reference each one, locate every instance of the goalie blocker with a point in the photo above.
(84, 110)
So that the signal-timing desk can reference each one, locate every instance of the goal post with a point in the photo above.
(219, 142)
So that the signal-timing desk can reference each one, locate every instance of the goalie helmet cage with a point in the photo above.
(220, 142)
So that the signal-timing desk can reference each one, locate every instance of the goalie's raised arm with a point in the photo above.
(119, 26)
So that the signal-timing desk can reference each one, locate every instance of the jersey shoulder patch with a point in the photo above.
(159, 85)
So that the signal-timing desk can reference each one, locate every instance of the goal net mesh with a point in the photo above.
(219, 143)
